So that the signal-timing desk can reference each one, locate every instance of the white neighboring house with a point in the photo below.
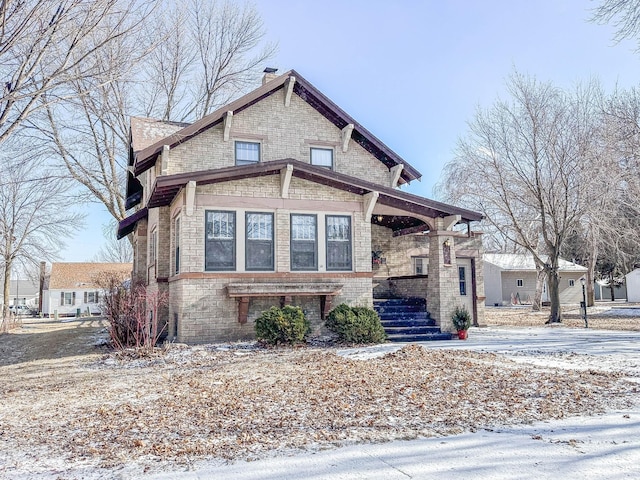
(510, 279)
(22, 292)
(633, 285)
(71, 288)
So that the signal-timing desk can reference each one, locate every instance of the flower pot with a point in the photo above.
(462, 334)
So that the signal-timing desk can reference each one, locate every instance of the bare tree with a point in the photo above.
(35, 218)
(525, 165)
(44, 45)
(113, 250)
(207, 54)
(623, 14)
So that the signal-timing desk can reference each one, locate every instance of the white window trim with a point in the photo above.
(519, 282)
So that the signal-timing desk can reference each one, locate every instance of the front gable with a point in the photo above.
(289, 87)
(281, 132)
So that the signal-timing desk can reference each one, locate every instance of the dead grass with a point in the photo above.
(599, 317)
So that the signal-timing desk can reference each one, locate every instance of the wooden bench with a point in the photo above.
(286, 291)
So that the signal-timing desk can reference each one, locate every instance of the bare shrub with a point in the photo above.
(132, 312)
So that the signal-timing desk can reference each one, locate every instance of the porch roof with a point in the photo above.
(126, 226)
(167, 187)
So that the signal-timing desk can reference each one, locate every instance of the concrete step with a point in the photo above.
(420, 338)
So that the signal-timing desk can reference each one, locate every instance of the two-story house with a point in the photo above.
(281, 197)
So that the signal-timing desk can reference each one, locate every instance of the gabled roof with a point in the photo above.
(146, 157)
(74, 276)
(520, 262)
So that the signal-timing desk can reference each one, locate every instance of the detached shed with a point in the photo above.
(510, 279)
(633, 285)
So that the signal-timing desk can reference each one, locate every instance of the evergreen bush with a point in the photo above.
(461, 319)
(282, 325)
(356, 324)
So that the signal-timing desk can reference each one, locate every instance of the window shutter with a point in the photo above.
(73, 301)
(85, 297)
(61, 298)
(97, 297)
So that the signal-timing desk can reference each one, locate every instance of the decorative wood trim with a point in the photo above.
(288, 276)
(321, 143)
(228, 120)
(346, 136)
(243, 310)
(410, 230)
(285, 180)
(288, 90)
(450, 220)
(190, 197)
(164, 160)
(368, 203)
(395, 174)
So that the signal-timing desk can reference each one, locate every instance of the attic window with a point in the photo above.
(247, 153)
(519, 282)
(322, 157)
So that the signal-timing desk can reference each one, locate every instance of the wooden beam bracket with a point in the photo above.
(228, 120)
(346, 136)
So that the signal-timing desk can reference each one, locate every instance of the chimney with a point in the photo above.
(269, 74)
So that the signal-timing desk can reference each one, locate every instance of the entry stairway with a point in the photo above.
(407, 320)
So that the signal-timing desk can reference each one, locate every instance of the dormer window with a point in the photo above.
(322, 157)
(247, 153)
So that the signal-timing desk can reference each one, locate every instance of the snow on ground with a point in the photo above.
(599, 447)
(603, 447)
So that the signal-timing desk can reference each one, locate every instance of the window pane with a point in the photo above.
(259, 245)
(463, 283)
(247, 153)
(220, 241)
(322, 157)
(338, 243)
(304, 250)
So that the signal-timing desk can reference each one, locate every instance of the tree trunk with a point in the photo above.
(611, 286)
(6, 282)
(591, 267)
(537, 297)
(554, 296)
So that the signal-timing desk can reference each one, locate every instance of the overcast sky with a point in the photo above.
(413, 72)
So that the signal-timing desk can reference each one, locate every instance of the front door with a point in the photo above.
(465, 287)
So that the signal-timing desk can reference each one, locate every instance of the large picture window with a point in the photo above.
(322, 157)
(247, 153)
(304, 242)
(338, 242)
(220, 241)
(259, 241)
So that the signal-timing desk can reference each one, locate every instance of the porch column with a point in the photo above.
(442, 282)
